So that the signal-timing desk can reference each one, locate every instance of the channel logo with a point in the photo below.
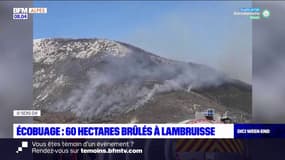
(20, 13)
(266, 13)
(23, 13)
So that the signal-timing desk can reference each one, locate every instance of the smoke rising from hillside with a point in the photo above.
(216, 39)
(120, 84)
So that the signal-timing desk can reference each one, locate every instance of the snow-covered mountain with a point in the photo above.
(96, 79)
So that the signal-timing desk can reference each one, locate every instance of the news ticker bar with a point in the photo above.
(105, 131)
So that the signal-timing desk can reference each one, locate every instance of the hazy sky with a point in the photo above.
(201, 32)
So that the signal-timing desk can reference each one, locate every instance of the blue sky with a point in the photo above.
(112, 20)
(201, 32)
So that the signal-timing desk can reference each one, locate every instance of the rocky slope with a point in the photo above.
(97, 80)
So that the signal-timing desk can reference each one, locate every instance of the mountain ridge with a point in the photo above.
(94, 78)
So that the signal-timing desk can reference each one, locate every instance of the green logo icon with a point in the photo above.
(266, 13)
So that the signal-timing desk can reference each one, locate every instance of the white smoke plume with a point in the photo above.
(119, 84)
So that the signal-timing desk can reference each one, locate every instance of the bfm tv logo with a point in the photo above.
(23, 13)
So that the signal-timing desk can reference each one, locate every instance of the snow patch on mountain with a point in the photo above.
(48, 51)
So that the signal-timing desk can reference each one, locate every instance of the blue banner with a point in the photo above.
(259, 130)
